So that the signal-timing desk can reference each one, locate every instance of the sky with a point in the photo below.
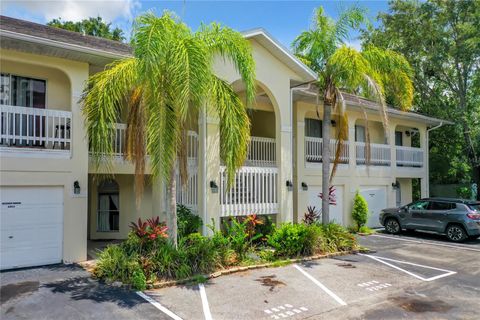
(282, 19)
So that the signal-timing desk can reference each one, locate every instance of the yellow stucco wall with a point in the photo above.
(40, 170)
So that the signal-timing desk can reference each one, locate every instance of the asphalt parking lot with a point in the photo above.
(412, 276)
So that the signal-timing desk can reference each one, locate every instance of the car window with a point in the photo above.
(436, 205)
(419, 205)
(474, 206)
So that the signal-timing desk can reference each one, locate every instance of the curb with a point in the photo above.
(216, 274)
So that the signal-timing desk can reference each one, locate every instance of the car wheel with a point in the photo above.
(456, 233)
(392, 226)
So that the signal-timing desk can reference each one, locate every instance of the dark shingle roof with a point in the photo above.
(64, 36)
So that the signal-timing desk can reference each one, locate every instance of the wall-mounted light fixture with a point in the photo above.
(304, 186)
(408, 133)
(214, 187)
(76, 187)
(289, 185)
(334, 123)
(396, 185)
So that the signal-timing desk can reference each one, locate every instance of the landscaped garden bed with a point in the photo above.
(149, 259)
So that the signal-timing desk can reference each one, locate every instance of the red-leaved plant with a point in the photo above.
(150, 229)
(311, 216)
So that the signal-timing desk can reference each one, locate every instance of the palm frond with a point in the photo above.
(103, 96)
(231, 45)
(234, 126)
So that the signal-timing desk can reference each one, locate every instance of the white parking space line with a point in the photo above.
(157, 305)
(328, 291)
(426, 242)
(206, 307)
(382, 260)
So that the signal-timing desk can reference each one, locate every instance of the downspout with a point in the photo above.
(204, 169)
(427, 164)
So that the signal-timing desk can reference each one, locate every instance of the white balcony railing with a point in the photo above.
(380, 154)
(254, 190)
(187, 194)
(34, 127)
(261, 152)
(314, 146)
(409, 157)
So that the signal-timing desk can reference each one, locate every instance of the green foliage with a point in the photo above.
(115, 264)
(188, 222)
(365, 230)
(290, 240)
(440, 40)
(200, 253)
(133, 262)
(169, 78)
(92, 26)
(267, 227)
(374, 73)
(360, 210)
(337, 238)
(139, 282)
(464, 192)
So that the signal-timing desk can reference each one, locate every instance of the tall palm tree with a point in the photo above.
(374, 73)
(169, 78)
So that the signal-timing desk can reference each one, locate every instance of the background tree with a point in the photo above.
(91, 26)
(169, 78)
(441, 40)
(373, 73)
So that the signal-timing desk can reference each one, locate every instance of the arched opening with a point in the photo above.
(108, 209)
(254, 189)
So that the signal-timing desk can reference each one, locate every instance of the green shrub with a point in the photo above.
(366, 230)
(337, 238)
(114, 264)
(187, 222)
(200, 253)
(238, 236)
(360, 210)
(290, 240)
(226, 256)
(139, 281)
(171, 263)
(265, 229)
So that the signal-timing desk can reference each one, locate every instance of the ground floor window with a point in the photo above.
(108, 215)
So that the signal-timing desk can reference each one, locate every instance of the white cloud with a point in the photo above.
(74, 10)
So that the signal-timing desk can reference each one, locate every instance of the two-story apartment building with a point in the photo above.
(54, 199)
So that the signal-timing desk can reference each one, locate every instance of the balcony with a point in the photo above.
(409, 157)
(314, 146)
(380, 154)
(34, 129)
(254, 190)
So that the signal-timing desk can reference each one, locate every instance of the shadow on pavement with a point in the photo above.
(419, 235)
(85, 288)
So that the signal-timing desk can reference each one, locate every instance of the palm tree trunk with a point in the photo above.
(327, 116)
(172, 193)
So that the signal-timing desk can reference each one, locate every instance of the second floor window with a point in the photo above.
(313, 128)
(22, 91)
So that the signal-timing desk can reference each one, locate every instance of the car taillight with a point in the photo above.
(474, 216)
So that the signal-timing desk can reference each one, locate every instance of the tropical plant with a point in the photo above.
(188, 222)
(290, 240)
(169, 77)
(150, 229)
(359, 211)
(373, 73)
(311, 216)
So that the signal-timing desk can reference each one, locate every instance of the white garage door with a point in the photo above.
(336, 212)
(31, 226)
(377, 200)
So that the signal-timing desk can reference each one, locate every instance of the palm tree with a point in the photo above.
(374, 73)
(170, 77)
